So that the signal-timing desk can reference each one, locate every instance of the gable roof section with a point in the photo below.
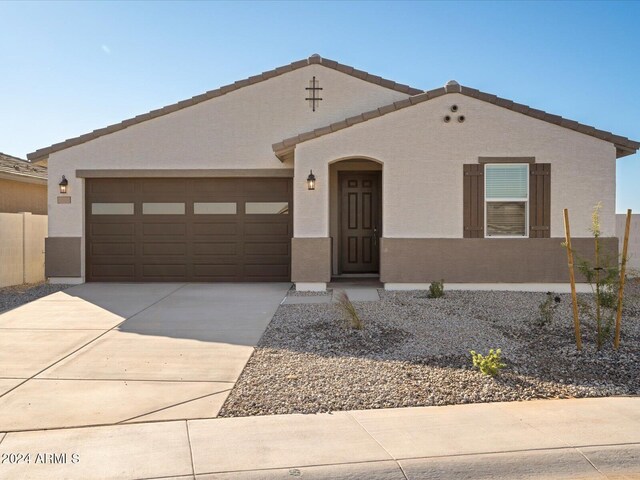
(312, 60)
(18, 169)
(624, 146)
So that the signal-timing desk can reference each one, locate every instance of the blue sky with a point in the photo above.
(68, 68)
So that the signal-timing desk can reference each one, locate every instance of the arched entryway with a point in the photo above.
(355, 224)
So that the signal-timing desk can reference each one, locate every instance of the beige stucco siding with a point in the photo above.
(423, 159)
(633, 252)
(22, 248)
(19, 196)
(233, 131)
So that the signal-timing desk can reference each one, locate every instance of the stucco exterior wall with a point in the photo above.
(233, 131)
(22, 248)
(633, 262)
(18, 197)
(423, 161)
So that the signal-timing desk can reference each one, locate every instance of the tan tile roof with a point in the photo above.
(624, 146)
(312, 60)
(17, 167)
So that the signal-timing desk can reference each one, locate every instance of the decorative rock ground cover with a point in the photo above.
(12, 297)
(414, 351)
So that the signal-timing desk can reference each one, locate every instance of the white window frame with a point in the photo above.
(525, 200)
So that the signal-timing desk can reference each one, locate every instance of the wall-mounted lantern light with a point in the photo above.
(311, 181)
(63, 184)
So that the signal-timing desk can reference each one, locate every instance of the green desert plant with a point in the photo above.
(603, 274)
(349, 312)
(436, 289)
(548, 309)
(490, 364)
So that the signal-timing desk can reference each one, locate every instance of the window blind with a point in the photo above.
(506, 181)
(506, 218)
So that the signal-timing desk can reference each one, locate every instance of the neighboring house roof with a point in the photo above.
(312, 60)
(15, 168)
(624, 146)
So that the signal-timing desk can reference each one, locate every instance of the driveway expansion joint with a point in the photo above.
(590, 462)
(129, 420)
(193, 468)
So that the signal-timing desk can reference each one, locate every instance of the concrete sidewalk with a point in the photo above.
(586, 439)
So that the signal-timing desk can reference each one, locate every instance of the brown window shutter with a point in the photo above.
(473, 203)
(540, 200)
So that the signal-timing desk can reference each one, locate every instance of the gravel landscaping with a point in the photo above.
(12, 297)
(414, 351)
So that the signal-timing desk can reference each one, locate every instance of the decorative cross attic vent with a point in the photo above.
(312, 91)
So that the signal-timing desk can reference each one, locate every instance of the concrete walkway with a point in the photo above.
(98, 354)
(563, 439)
(356, 293)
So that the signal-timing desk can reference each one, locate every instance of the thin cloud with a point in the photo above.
(106, 49)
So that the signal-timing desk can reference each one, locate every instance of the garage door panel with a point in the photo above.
(266, 260)
(216, 187)
(164, 229)
(110, 239)
(277, 186)
(113, 270)
(264, 248)
(217, 260)
(164, 269)
(215, 228)
(128, 248)
(169, 248)
(214, 270)
(266, 229)
(216, 248)
(111, 229)
(163, 187)
(219, 243)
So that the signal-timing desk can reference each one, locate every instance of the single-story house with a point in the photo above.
(317, 170)
(23, 186)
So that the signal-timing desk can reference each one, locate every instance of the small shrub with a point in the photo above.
(349, 311)
(609, 295)
(436, 289)
(489, 365)
(548, 309)
(604, 277)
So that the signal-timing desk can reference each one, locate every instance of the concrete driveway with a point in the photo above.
(99, 354)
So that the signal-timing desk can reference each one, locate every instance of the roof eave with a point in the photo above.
(285, 154)
(624, 146)
(17, 177)
(312, 60)
(622, 151)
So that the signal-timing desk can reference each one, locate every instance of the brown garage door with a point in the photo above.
(188, 229)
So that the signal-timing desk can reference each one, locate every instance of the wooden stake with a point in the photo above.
(623, 267)
(574, 297)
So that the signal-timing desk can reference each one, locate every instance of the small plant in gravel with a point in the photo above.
(349, 311)
(491, 364)
(548, 309)
(604, 277)
(436, 289)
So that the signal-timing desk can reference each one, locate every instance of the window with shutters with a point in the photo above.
(506, 200)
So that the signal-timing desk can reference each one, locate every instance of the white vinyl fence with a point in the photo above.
(22, 248)
(634, 240)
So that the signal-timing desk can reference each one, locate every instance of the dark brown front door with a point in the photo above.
(359, 222)
(188, 229)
